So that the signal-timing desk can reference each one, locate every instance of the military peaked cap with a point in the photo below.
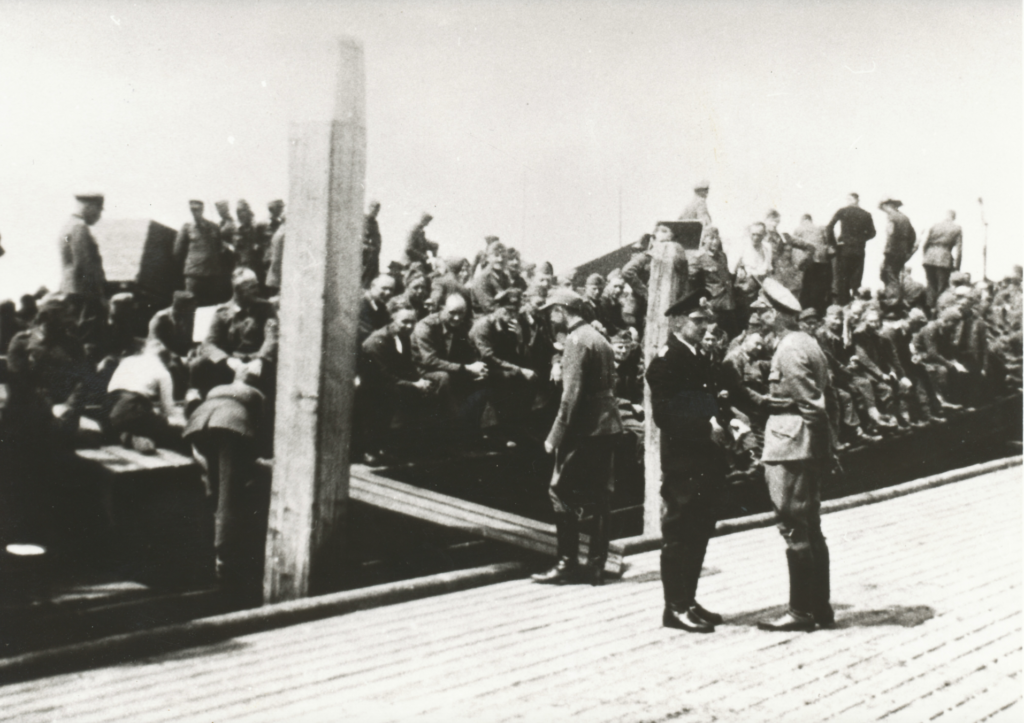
(691, 306)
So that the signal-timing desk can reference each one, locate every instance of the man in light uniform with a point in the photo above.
(798, 447)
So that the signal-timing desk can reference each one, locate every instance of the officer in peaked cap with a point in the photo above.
(685, 386)
(797, 450)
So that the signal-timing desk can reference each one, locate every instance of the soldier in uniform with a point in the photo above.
(249, 243)
(797, 450)
(371, 244)
(856, 228)
(685, 387)
(900, 245)
(582, 440)
(201, 255)
(942, 252)
(82, 278)
(697, 208)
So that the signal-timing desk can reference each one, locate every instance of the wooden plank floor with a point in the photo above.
(927, 589)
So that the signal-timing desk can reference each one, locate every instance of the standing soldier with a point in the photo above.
(582, 440)
(199, 251)
(82, 278)
(797, 450)
(942, 252)
(250, 245)
(697, 208)
(900, 245)
(269, 227)
(227, 224)
(856, 228)
(371, 244)
(684, 400)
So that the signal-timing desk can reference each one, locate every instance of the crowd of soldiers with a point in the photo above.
(456, 352)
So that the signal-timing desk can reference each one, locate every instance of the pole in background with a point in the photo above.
(620, 216)
(984, 241)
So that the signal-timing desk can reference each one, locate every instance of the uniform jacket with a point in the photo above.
(251, 249)
(81, 263)
(439, 348)
(877, 354)
(502, 348)
(372, 316)
(234, 407)
(684, 398)
(712, 273)
(174, 334)
(637, 273)
(901, 237)
(386, 365)
(52, 369)
(371, 237)
(485, 287)
(944, 245)
(588, 407)
(244, 333)
(199, 250)
(857, 228)
(417, 247)
(934, 344)
(812, 239)
(799, 375)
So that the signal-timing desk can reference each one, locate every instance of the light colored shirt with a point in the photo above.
(756, 262)
(145, 374)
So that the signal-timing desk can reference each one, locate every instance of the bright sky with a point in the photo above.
(525, 120)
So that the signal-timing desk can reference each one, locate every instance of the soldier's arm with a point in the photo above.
(271, 328)
(372, 357)
(427, 355)
(181, 245)
(572, 386)
(871, 229)
(215, 345)
(830, 230)
(958, 249)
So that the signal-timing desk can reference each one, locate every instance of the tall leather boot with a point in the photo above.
(824, 615)
(802, 580)
(598, 554)
(566, 570)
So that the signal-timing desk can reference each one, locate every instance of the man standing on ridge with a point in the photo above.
(856, 229)
(82, 278)
(697, 208)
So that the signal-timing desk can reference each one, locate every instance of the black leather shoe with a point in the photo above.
(685, 620)
(564, 572)
(791, 622)
(825, 618)
(705, 615)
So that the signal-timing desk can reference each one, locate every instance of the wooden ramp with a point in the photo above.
(405, 499)
(927, 589)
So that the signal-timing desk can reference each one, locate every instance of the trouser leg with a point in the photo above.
(892, 269)
(795, 490)
(687, 523)
(597, 531)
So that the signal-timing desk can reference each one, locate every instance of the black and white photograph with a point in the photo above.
(610, 361)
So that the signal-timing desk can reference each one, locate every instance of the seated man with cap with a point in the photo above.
(798, 449)
(82, 278)
(582, 440)
(501, 342)
(172, 329)
(686, 387)
(243, 333)
(390, 381)
(489, 280)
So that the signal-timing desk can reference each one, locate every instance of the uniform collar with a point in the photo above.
(575, 326)
(688, 345)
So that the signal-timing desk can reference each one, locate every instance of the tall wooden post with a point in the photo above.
(667, 283)
(317, 357)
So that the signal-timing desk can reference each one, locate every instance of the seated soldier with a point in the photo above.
(390, 380)
(243, 334)
(921, 401)
(972, 347)
(444, 353)
(49, 384)
(629, 393)
(610, 303)
(139, 408)
(489, 280)
(172, 329)
(373, 307)
(878, 378)
(593, 312)
(501, 343)
(935, 348)
(417, 294)
(514, 269)
(830, 338)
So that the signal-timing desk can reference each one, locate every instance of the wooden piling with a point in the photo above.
(320, 291)
(667, 283)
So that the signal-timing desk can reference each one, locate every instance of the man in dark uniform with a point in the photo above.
(373, 307)
(900, 245)
(582, 440)
(249, 244)
(418, 248)
(684, 400)
(798, 445)
(201, 255)
(371, 244)
(856, 229)
(82, 277)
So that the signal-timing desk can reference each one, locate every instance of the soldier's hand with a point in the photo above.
(959, 367)
(548, 448)
(906, 384)
(477, 369)
(423, 385)
(528, 374)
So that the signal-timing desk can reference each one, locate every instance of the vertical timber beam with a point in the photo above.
(317, 354)
(667, 283)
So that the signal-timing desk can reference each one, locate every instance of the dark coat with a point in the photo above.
(199, 251)
(235, 407)
(857, 228)
(901, 237)
(418, 247)
(372, 316)
(712, 273)
(81, 263)
(438, 348)
(485, 287)
(684, 398)
(588, 407)
(251, 250)
(502, 348)
(243, 333)
(386, 366)
(175, 335)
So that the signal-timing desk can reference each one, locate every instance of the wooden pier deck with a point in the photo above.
(927, 589)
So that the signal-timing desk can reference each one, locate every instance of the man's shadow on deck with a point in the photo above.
(904, 616)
